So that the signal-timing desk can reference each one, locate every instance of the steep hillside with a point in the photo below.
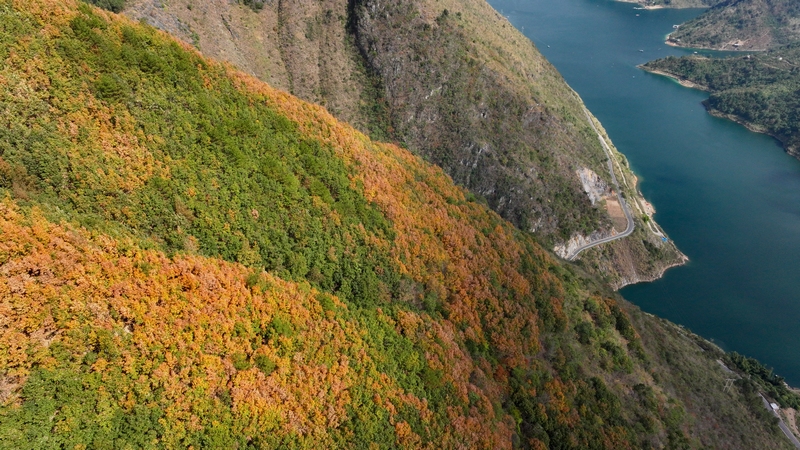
(760, 91)
(452, 81)
(191, 258)
(742, 25)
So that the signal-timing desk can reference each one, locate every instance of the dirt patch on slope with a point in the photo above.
(616, 213)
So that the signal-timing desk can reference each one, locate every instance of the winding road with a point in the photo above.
(781, 423)
(625, 209)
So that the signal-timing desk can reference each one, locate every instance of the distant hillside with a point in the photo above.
(193, 259)
(742, 25)
(454, 82)
(761, 91)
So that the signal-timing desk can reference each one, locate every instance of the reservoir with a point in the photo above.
(729, 198)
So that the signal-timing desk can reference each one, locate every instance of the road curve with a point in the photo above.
(625, 209)
(781, 424)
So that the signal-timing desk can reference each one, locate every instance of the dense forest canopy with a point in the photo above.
(191, 258)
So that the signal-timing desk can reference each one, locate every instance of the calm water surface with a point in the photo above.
(728, 197)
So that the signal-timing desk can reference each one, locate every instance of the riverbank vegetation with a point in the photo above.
(761, 90)
(765, 379)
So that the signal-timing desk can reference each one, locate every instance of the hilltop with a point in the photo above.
(742, 25)
(192, 258)
(454, 82)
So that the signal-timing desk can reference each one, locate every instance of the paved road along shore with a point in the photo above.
(625, 209)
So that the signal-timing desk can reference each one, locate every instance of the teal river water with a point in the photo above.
(728, 197)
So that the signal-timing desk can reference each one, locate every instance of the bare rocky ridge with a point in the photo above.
(453, 81)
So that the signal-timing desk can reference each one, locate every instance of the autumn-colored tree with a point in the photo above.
(191, 258)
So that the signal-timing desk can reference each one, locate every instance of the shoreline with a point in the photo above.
(656, 276)
(732, 117)
(635, 277)
(754, 128)
(691, 47)
(641, 6)
(676, 78)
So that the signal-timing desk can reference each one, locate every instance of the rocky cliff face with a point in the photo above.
(452, 80)
(300, 47)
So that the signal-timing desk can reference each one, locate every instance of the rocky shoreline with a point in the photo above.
(681, 81)
(655, 276)
(755, 129)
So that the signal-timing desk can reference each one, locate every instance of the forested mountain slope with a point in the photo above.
(191, 258)
(451, 80)
(742, 25)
